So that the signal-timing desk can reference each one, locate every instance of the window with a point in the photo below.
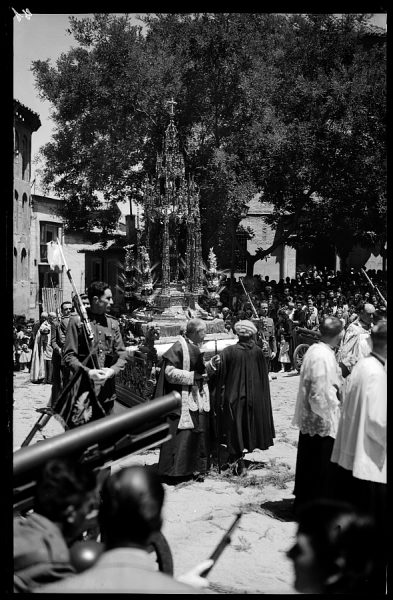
(25, 159)
(24, 200)
(96, 269)
(49, 232)
(16, 208)
(15, 264)
(16, 146)
(240, 257)
(23, 260)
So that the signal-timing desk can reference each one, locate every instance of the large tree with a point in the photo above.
(290, 106)
(317, 143)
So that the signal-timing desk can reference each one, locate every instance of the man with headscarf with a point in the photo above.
(38, 369)
(184, 370)
(244, 409)
(36, 325)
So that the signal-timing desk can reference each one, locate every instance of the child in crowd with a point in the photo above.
(283, 357)
(25, 358)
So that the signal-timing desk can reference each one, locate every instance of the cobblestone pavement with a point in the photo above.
(196, 514)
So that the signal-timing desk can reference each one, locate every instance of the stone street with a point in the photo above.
(196, 514)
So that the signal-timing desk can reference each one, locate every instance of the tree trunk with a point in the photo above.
(251, 260)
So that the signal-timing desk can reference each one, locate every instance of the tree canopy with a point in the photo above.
(289, 106)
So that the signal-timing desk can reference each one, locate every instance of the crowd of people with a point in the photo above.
(301, 302)
(340, 411)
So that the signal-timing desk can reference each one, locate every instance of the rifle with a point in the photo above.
(374, 287)
(249, 299)
(48, 412)
(256, 316)
(223, 543)
(95, 444)
(80, 307)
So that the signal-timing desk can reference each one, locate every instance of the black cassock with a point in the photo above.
(187, 452)
(243, 405)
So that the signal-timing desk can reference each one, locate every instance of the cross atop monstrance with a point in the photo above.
(171, 103)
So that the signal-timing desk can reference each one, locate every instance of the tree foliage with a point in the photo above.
(292, 107)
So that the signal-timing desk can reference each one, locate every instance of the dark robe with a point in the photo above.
(244, 407)
(186, 453)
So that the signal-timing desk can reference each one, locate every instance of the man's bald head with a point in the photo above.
(330, 329)
(196, 330)
(366, 313)
(130, 510)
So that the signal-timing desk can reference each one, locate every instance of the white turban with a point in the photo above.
(245, 328)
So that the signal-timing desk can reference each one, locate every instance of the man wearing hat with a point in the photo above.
(243, 404)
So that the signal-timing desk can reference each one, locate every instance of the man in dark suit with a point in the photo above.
(58, 333)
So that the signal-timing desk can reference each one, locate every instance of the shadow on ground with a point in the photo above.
(279, 509)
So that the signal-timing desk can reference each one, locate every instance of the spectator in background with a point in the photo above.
(283, 358)
(269, 334)
(341, 317)
(299, 316)
(38, 370)
(85, 300)
(25, 358)
(35, 328)
(48, 350)
(312, 320)
(58, 334)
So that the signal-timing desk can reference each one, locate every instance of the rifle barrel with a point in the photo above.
(374, 287)
(76, 440)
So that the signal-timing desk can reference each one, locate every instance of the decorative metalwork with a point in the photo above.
(212, 282)
(172, 216)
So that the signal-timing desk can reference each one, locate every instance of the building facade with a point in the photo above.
(284, 261)
(281, 262)
(84, 255)
(26, 122)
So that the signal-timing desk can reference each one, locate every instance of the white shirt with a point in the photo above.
(360, 445)
(355, 345)
(318, 406)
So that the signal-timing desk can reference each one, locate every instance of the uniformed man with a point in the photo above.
(109, 355)
(58, 334)
(267, 326)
